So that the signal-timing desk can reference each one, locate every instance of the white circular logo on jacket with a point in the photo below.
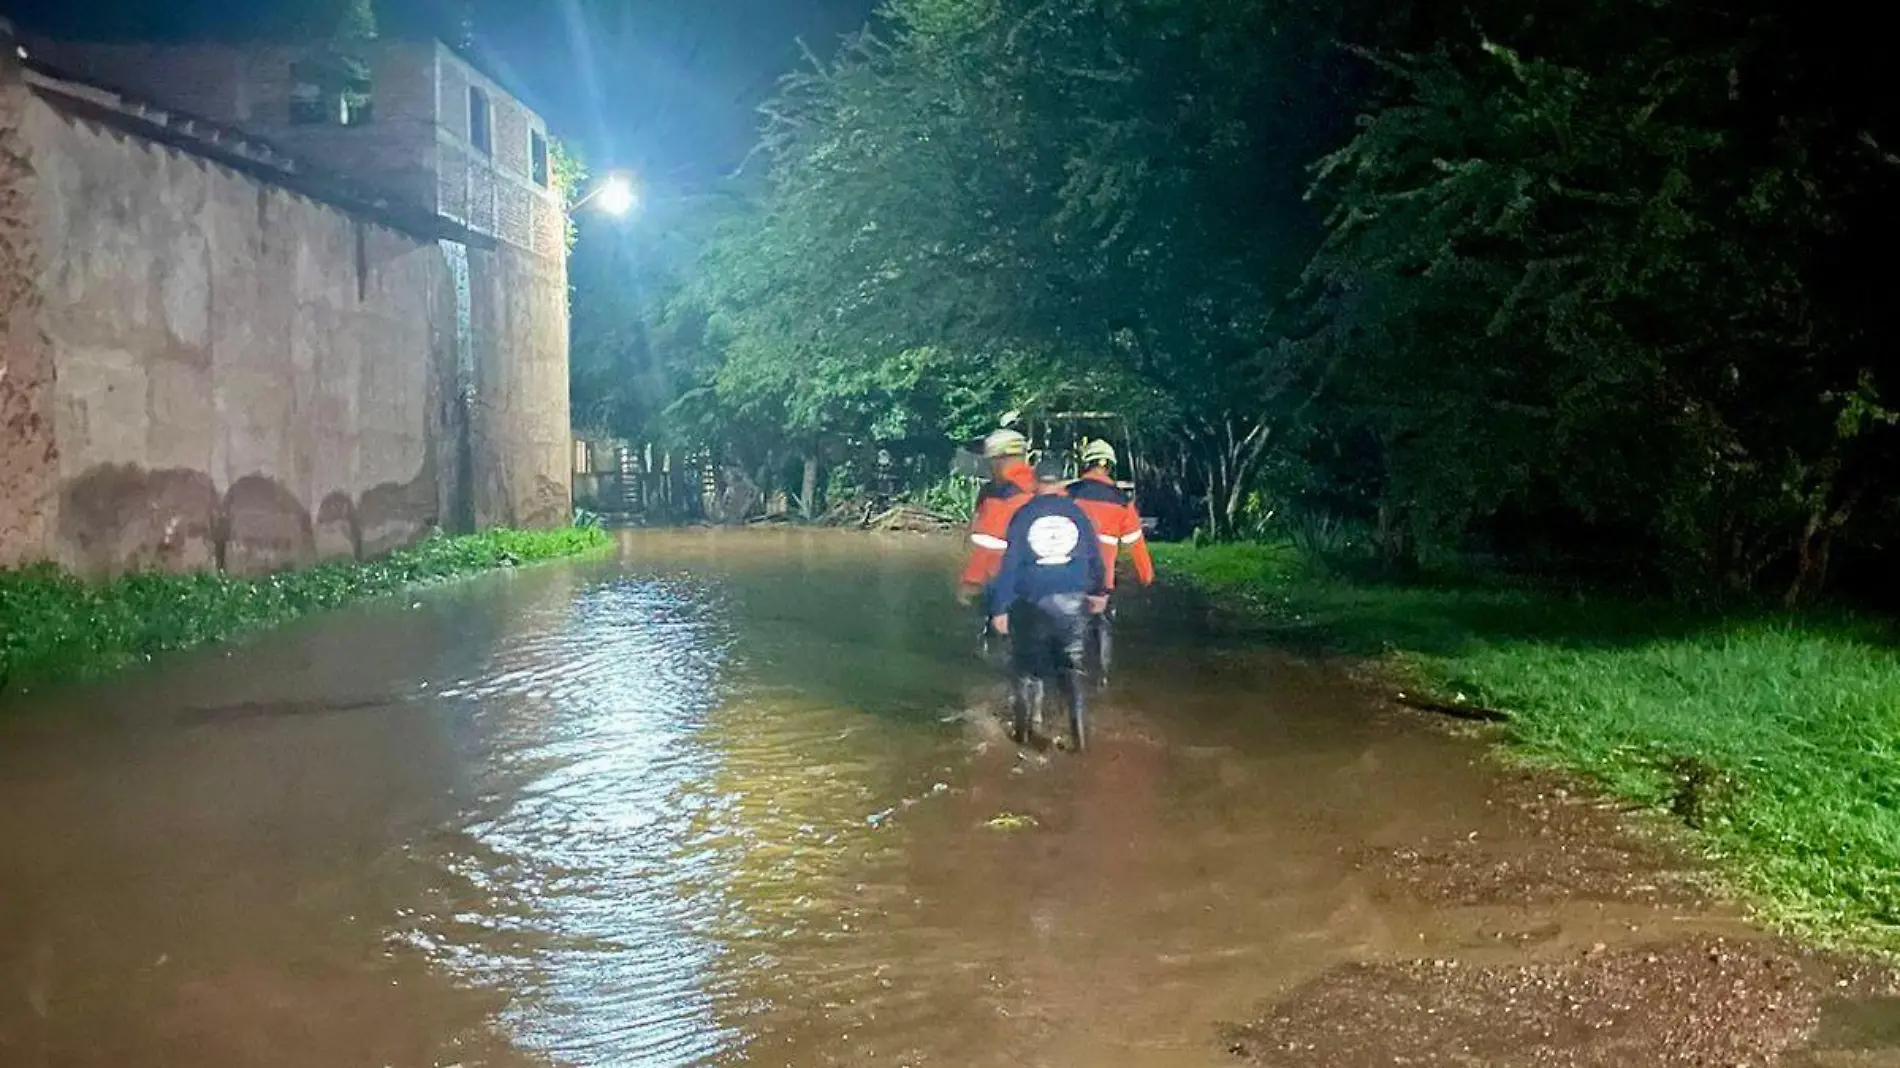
(1053, 539)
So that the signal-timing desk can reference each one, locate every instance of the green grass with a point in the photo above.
(1776, 735)
(57, 628)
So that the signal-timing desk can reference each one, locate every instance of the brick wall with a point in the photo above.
(416, 148)
(514, 214)
(511, 138)
(502, 199)
(251, 88)
(481, 195)
(452, 181)
(550, 228)
(394, 152)
(452, 95)
(206, 80)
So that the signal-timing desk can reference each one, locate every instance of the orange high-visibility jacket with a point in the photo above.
(989, 528)
(1117, 523)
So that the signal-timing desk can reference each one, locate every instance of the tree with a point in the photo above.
(1029, 201)
(357, 22)
(1584, 291)
(1570, 281)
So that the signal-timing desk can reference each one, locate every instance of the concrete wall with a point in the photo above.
(29, 460)
(241, 376)
(521, 441)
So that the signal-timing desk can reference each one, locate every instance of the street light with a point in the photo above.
(615, 193)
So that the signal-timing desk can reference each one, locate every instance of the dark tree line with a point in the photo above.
(1603, 286)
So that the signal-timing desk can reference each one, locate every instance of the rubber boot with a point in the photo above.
(1078, 710)
(1104, 648)
(1022, 708)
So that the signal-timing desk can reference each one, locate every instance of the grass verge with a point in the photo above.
(55, 627)
(1775, 737)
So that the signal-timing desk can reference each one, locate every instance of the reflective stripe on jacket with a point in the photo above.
(1117, 523)
(989, 527)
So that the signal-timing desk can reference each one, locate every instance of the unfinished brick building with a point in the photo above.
(253, 321)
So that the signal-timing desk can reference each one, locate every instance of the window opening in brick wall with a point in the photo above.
(358, 107)
(307, 104)
(334, 91)
(480, 126)
(538, 158)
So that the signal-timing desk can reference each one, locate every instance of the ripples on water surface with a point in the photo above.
(711, 805)
(577, 864)
(675, 810)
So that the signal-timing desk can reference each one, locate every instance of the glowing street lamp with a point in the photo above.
(615, 195)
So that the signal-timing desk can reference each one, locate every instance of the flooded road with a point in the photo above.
(728, 800)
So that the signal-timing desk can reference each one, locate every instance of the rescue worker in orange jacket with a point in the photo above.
(1117, 523)
(1012, 483)
(1118, 526)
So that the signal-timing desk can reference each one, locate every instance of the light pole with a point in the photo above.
(616, 194)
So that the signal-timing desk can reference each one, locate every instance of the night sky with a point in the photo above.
(665, 86)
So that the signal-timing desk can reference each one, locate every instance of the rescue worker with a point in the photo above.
(1050, 582)
(1117, 525)
(886, 481)
(1011, 484)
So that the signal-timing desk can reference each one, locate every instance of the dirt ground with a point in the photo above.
(1517, 993)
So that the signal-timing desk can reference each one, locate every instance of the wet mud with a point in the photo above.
(1694, 1001)
(1577, 933)
(1580, 942)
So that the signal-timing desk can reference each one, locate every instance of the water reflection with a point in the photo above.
(569, 862)
(674, 817)
(200, 862)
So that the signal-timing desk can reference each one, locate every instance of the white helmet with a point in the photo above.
(1005, 442)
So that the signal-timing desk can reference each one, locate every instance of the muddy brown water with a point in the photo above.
(726, 799)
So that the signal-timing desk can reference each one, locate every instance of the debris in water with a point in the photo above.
(1011, 821)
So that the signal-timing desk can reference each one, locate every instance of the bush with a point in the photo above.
(954, 497)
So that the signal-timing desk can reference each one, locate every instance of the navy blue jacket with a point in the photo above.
(1052, 550)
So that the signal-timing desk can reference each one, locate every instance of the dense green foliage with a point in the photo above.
(55, 627)
(1589, 289)
(1591, 281)
(1774, 735)
(922, 253)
